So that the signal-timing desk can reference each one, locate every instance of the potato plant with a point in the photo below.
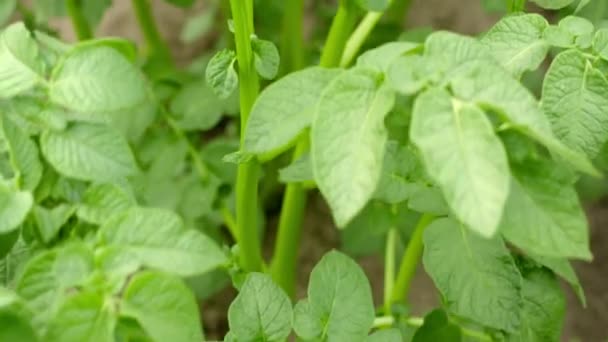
(132, 186)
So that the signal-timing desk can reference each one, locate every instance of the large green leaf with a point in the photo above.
(104, 200)
(285, 109)
(159, 240)
(464, 156)
(164, 307)
(20, 68)
(88, 152)
(348, 140)
(14, 207)
(339, 305)
(24, 155)
(543, 214)
(517, 42)
(261, 312)
(477, 277)
(575, 97)
(85, 316)
(92, 80)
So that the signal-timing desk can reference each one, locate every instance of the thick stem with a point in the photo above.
(410, 260)
(389, 269)
(155, 44)
(292, 37)
(247, 176)
(294, 201)
(79, 22)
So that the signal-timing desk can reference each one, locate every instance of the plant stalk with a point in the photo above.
(409, 261)
(517, 6)
(292, 37)
(157, 48)
(247, 175)
(389, 269)
(294, 202)
(79, 22)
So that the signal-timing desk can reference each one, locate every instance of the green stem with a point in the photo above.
(410, 260)
(247, 176)
(389, 269)
(356, 40)
(79, 22)
(157, 47)
(292, 36)
(517, 6)
(229, 220)
(294, 201)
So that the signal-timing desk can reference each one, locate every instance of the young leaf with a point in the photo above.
(221, 75)
(517, 42)
(20, 68)
(543, 308)
(164, 307)
(14, 207)
(348, 140)
(85, 316)
(88, 152)
(50, 221)
(197, 107)
(574, 95)
(285, 109)
(261, 312)
(91, 80)
(543, 214)
(437, 327)
(339, 305)
(159, 240)
(477, 277)
(104, 200)
(553, 4)
(24, 154)
(464, 156)
(266, 58)
(577, 26)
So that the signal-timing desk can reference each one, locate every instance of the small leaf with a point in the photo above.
(559, 37)
(104, 200)
(464, 156)
(159, 240)
(238, 157)
(20, 67)
(348, 140)
(94, 79)
(220, 74)
(50, 221)
(437, 327)
(299, 171)
(600, 43)
(339, 305)
(196, 107)
(85, 316)
(543, 214)
(577, 26)
(477, 277)
(88, 152)
(285, 109)
(261, 311)
(24, 154)
(266, 58)
(14, 207)
(164, 307)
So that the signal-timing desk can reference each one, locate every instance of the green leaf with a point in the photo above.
(477, 277)
(159, 240)
(285, 109)
(543, 309)
(85, 316)
(297, 172)
(15, 328)
(464, 156)
(399, 171)
(104, 200)
(517, 42)
(559, 37)
(163, 306)
(553, 4)
(20, 68)
(437, 327)
(50, 221)
(383, 56)
(266, 58)
(88, 152)
(24, 155)
(577, 26)
(348, 140)
(564, 269)
(386, 335)
(94, 79)
(574, 95)
(339, 305)
(197, 107)
(410, 74)
(374, 5)
(14, 207)
(221, 75)
(543, 214)
(261, 312)
(600, 43)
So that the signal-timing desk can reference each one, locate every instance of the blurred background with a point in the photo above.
(194, 34)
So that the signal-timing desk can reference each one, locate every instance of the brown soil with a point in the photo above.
(466, 16)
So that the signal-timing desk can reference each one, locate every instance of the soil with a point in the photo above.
(465, 16)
